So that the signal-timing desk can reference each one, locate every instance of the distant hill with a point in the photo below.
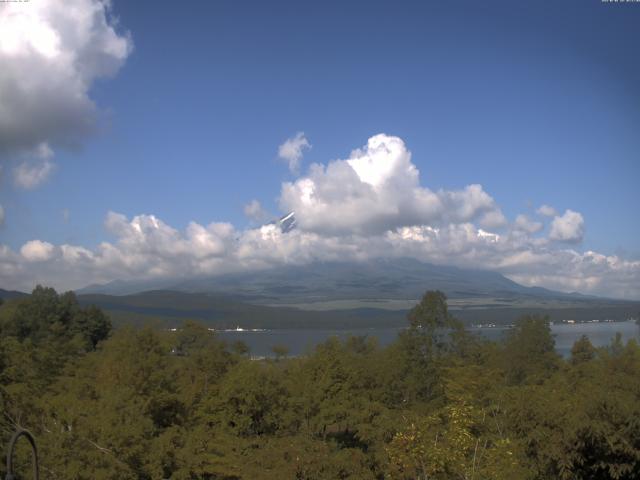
(121, 287)
(388, 279)
(324, 281)
(341, 295)
(9, 294)
(171, 308)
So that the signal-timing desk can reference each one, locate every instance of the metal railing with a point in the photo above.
(12, 444)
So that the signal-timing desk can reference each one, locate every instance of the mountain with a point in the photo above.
(287, 223)
(172, 308)
(122, 287)
(382, 279)
(338, 295)
(399, 278)
(9, 294)
(356, 283)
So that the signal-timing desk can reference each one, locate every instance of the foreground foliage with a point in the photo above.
(436, 404)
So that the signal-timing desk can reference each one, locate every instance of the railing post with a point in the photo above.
(12, 444)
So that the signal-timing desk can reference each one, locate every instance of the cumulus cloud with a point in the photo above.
(524, 223)
(147, 241)
(588, 272)
(34, 171)
(493, 219)
(370, 205)
(37, 251)
(567, 228)
(291, 151)
(377, 189)
(145, 247)
(254, 211)
(547, 211)
(50, 53)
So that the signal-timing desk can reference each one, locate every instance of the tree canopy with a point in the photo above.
(438, 403)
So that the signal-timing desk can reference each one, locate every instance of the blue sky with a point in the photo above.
(538, 102)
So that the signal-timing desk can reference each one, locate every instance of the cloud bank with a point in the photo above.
(378, 189)
(369, 205)
(32, 172)
(51, 52)
(567, 228)
(546, 211)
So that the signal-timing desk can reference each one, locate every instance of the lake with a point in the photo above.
(301, 341)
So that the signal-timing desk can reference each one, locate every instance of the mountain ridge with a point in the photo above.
(390, 278)
(10, 294)
(172, 308)
(399, 278)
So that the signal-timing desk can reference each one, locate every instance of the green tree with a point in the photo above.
(280, 351)
(252, 400)
(455, 442)
(432, 313)
(92, 324)
(582, 426)
(529, 352)
(582, 351)
(48, 317)
(432, 334)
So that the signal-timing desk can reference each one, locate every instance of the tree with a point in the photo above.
(202, 360)
(112, 408)
(616, 346)
(529, 353)
(252, 400)
(240, 348)
(582, 351)
(432, 334)
(280, 351)
(41, 315)
(46, 316)
(456, 442)
(431, 313)
(92, 325)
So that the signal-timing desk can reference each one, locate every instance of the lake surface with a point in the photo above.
(300, 341)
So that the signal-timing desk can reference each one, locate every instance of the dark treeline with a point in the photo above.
(436, 404)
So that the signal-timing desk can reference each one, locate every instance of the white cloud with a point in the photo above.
(51, 52)
(377, 209)
(147, 242)
(525, 224)
(568, 227)
(254, 211)
(587, 272)
(291, 151)
(147, 248)
(377, 189)
(37, 251)
(74, 255)
(493, 219)
(33, 172)
(547, 211)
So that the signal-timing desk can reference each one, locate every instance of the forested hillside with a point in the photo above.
(436, 404)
